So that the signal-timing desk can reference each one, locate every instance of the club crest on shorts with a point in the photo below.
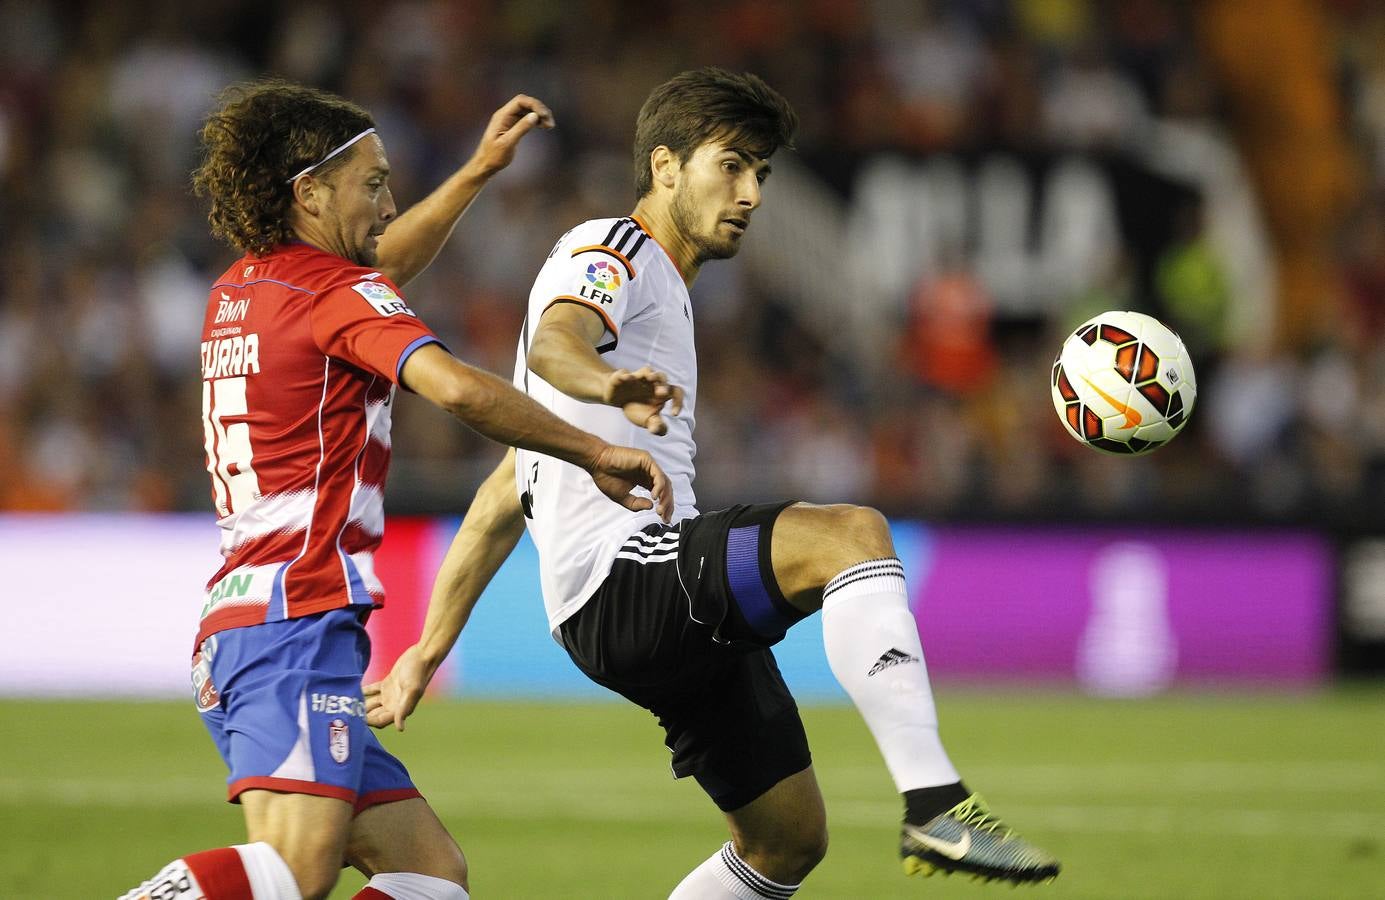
(204, 691)
(339, 740)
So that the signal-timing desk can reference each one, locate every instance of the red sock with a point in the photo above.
(220, 874)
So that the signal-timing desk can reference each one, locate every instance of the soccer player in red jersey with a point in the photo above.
(305, 338)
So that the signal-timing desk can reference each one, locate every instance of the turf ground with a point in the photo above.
(1234, 796)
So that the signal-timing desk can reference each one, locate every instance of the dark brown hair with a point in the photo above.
(261, 134)
(696, 106)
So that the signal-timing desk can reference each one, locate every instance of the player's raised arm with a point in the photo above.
(414, 239)
(488, 534)
(495, 409)
(563, 353)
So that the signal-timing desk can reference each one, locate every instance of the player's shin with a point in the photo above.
(244, 872)
(873, 648)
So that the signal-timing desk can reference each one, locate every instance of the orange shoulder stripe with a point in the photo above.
(568, 298)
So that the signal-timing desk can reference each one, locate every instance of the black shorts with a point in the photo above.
(682, 626)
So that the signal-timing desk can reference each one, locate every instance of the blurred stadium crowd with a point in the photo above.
(1238, 152)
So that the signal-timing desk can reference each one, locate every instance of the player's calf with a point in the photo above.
(316, 877)
(428, 864)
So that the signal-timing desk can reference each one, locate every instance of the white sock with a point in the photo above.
(270, 877)
(873, 647)
(413, 886)
(725, 876)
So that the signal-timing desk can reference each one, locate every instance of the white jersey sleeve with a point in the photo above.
(614, 268)
(595, 275)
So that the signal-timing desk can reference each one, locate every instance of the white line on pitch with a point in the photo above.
(572, 803)
(1122, 778)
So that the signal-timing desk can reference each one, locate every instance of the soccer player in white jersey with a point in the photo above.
(305, 338)
(680, 618)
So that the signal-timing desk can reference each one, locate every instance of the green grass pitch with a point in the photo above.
(1206, 796)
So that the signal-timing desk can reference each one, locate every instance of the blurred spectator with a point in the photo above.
(1090, 103)
(947, 344)
(1059, 144)
(1192, 284)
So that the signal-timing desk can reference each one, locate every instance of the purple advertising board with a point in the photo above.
(1112, 611)
(1123, 612)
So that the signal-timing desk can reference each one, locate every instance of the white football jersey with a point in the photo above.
(614, 267)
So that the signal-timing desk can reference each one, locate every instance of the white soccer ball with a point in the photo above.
(1123, 383)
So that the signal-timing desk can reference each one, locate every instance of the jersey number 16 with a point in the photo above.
(229, 456)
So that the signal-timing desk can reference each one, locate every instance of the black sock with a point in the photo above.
(922, 804)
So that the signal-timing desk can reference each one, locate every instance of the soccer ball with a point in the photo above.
(1123, 383)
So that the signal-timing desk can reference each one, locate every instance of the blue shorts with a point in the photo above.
(283, 703)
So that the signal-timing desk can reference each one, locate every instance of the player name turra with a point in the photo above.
(231, 356)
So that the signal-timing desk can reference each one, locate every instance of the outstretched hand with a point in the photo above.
(392, 699)
(642, 395)
(507, 127)
(618, 470)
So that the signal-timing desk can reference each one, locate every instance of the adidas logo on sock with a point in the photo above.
(892, 657)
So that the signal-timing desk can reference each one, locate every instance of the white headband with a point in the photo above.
(332, 154)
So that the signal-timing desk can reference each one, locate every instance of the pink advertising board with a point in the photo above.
(1123, 612)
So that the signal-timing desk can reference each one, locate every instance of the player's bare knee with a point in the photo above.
(857, 533)
(813, 544)
(870, 529)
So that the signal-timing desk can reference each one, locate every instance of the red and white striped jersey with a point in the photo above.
(301, 352)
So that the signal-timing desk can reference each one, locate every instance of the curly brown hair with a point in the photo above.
(696, 106)
(258, 137)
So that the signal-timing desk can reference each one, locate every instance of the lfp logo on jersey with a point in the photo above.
(383, 298)
(604, 281)
(603, 275)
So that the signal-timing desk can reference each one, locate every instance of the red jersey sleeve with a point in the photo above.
(365, 322)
